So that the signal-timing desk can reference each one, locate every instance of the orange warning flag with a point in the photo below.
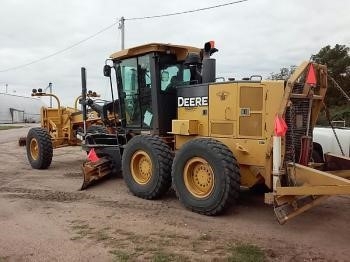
(311, 76)
(280, 126)
(92, 156)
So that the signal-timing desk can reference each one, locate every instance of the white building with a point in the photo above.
(17, 109)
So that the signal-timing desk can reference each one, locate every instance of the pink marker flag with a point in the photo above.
(92, 156)
(280, 126)
(311, 76)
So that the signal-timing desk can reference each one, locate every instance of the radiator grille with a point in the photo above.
(222, 128)
(250, 125)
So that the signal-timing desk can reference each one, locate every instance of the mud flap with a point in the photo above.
(306, 149)
(94, 171)
(22, 141)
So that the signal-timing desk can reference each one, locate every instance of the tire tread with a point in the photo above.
(163, 152)
(232, 174)
(45, 148)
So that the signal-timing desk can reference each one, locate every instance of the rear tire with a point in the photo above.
(317, 156)
(39, 148)
(146, 166)
(206, 176)
(317, 153)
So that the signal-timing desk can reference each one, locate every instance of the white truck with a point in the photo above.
(325, 142)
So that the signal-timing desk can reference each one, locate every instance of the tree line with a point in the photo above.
(337, 59)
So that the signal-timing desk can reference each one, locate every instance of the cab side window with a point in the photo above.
(173, 76)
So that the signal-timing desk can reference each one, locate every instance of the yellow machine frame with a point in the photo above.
(63, 122)
(241, 116)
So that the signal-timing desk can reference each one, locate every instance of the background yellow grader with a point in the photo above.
(60, 127)
(174, 125)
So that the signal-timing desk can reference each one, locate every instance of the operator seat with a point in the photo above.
(193, 62)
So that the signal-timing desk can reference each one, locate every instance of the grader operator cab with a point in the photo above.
(176, 126)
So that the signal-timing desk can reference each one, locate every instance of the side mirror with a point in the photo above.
(107, 70)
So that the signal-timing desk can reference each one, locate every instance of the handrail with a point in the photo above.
(52, 95)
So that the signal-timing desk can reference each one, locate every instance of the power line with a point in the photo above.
(59, 51)
(186, 12)
(110, 26)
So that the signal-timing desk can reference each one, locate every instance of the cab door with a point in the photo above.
(136, 92)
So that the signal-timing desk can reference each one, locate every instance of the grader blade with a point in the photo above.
(94, 171)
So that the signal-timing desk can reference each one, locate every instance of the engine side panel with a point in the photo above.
(239, 114)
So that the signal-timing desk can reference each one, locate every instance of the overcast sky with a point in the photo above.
(254, 37)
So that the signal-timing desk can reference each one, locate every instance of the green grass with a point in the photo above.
(80, 227)
(205, 237)
(9, 127)
(120, 256)
(82, 230)
(102, 235)
(4, 259)
(246, 253)
(161, 256)
(128, 246)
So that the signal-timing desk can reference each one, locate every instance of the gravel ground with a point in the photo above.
(44, 217)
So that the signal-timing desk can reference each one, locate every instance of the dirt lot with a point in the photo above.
(44, 217)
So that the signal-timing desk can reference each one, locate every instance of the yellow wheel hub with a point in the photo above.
(199, 177)
(34, 148)
(141, 167)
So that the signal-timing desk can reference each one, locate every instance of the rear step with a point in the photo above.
(310, 187)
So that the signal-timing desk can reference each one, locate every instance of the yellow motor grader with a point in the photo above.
(178, 126)
(61, 126)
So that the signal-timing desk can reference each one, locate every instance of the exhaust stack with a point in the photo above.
(83, 96)
(209, 64)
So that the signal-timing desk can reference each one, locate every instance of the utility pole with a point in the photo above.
(50, 87)
(6, 85)
(121, 26)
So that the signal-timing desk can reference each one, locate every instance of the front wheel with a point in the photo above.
(146, 166)
(206, 176)
(39, 148)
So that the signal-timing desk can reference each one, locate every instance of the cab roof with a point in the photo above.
(180, 51)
